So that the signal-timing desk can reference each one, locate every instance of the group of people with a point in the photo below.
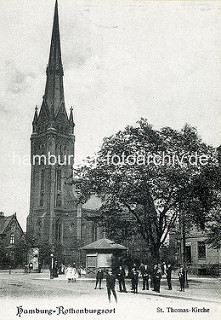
(151, 277)
(156, 274)
(71, 271)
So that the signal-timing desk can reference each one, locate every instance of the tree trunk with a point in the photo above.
(155, 253)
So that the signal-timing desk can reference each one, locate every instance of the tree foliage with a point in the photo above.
(213, 228)
(149, 176)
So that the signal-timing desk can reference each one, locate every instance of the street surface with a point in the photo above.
(30, 296)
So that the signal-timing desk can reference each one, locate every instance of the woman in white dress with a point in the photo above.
(69, 273)
(74, 273)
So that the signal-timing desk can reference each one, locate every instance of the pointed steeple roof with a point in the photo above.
(54, 91)
(71, 118)
(71, 121)
(35, 121)
(54, 62)
(35, 116)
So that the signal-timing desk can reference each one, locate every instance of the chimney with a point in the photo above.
(1, 214)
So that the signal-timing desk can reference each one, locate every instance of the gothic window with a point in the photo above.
(12, 238)
(58, 200)
(42, 187)
(41, 199)
(59, 180)
(42, 180)
(61, 152)
(59, 234)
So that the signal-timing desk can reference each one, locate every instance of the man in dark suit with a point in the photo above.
(121, 279)
(99, 277)
(154, 270)
(134, 280)
(168, 274)
(157, 274)
(181, 275)
(145, 272)
(110, 283)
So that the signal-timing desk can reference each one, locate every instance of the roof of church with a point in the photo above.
(104, 244)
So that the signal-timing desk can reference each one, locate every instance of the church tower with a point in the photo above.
(54, 216)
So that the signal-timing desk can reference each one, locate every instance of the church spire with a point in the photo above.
(35, 120)
(71, 120)
(54, 91)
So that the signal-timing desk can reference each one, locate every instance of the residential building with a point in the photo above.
(12, 242)
(201, 258)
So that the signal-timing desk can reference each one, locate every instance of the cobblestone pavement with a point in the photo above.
(39, 291)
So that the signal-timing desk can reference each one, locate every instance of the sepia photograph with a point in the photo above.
(110, 144)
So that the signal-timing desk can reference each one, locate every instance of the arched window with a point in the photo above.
(41, 199)
(59, 180)
(58, 200)
(59, 231)
(42, 187)
(42, 180)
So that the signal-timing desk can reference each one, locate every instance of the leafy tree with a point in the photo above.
(20, 252)
(149, 176)
(213, 229)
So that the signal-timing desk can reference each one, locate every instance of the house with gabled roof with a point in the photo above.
(12, 242)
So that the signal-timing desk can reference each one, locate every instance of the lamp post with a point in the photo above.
(183, 237)
(52, 266)
(133, 207)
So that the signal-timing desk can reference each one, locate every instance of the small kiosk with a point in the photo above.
(99, 255)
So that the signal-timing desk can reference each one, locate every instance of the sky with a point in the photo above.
(123, 60)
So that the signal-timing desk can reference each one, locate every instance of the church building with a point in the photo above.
(55, 218)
